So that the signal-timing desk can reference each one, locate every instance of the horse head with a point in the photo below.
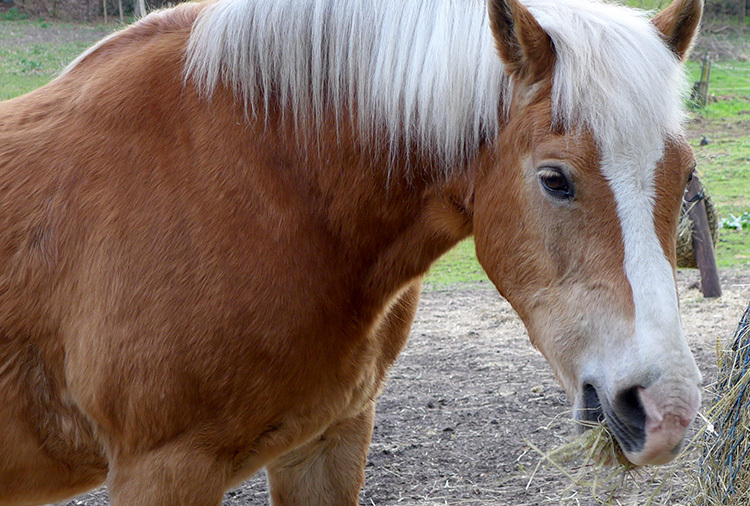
(575, 217)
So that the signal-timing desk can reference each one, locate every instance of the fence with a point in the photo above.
(84, 10)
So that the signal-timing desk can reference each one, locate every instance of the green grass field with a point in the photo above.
(26, 63)
(724, 163)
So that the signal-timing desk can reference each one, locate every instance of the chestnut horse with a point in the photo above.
(215, 222)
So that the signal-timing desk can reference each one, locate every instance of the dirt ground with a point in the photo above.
(469, 392)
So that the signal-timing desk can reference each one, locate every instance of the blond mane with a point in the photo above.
(427, 74)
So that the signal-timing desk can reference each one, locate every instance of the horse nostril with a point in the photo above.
(592, 407)
(629, 408)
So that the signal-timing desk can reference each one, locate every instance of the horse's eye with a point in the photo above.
(556, 184)
(690, 177)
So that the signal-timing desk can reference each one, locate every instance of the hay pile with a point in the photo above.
(724, 469)
(592, 461)
(685, 251)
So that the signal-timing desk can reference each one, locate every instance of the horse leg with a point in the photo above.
(29, 475)
(327, 471)
(331, 469)
(47, 452)
(170, 475)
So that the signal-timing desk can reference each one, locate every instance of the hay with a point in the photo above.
(685, 251)
(724, 468)
(593, 461)
(596, 468)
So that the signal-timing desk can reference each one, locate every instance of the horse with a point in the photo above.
(215, 223)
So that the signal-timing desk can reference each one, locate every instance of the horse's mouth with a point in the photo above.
(630, 436)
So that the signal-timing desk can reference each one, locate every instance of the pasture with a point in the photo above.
(469, 392)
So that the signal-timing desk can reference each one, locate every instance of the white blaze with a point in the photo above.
(659, 346)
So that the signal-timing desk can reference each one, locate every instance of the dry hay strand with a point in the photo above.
(685, 250)
(596, 468)
(723, 476)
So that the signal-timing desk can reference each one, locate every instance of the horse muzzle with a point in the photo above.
(649, 422)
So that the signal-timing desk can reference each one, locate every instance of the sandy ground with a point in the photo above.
(470, 393)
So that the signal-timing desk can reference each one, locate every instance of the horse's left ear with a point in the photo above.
(679, 25)
(524, 46)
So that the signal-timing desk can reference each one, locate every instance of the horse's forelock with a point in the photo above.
(614, 75)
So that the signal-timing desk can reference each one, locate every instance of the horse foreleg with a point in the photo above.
(47, 452)
(327, 471)
(29, 475)
(174, 474)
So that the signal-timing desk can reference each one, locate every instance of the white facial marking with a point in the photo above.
(660, 346)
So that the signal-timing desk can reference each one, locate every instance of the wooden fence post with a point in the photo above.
(703, 246)
(705, 79)
(741, 13)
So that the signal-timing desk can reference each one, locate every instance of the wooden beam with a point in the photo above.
(702, 242)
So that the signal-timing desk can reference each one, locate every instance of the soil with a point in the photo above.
(469, 396)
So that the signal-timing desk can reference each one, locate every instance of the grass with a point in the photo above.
(24, 68)
(725, 169)
(458, 266)
(724, 163)
(27, 66)
(649, 5)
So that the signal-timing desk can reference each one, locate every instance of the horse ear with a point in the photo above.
(524, 46)
(679, 25)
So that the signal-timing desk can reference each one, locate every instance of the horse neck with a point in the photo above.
(392, 216)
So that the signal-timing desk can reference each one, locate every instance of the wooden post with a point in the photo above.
(741, 13)
(702, 243)
(119, 3)
(141, 8)
(104, 4)
(705, 80)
